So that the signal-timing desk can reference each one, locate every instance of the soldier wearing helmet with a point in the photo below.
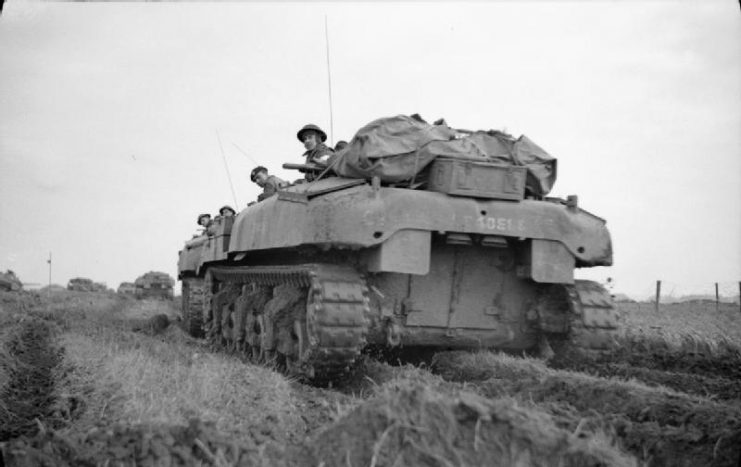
(313, 139)
(227, 211)
(204, 220)
(270, 184)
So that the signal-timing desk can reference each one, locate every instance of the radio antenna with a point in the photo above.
(329, 82)
(245, 153)
(226, 166)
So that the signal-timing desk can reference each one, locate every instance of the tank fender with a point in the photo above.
(405, 251)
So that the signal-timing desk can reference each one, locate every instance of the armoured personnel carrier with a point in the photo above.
(154, 285)
(464, 253)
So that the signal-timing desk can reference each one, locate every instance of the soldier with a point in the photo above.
(270, 184)
(227, 211)
(313, 139)
(204, 220)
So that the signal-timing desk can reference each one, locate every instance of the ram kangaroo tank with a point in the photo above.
(408, 243)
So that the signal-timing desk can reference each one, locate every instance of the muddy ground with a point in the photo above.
(646, 404)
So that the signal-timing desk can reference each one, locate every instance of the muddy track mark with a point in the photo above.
(659, 427)
(721, 388)
(28, 396)
(692, 357)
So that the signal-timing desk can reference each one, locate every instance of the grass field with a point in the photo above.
(679, 322)
(110, 390)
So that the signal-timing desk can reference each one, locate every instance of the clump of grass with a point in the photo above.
(371, 374)
(408, 423)
(197, 443)
(139, 379)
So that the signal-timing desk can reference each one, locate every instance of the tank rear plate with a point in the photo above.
(466, 289)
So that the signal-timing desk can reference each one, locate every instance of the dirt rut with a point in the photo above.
(27, 398)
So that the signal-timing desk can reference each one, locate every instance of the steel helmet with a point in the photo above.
(224, 208)
(311, 127)
(256, 171)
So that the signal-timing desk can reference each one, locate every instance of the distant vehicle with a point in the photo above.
(52, 288)
(127, 288)
(9, 282)
(154, 285)
(80, 284)
(83, 284)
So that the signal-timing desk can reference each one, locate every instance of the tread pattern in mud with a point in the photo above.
(659, 427)
(28, 396)
(712, 374)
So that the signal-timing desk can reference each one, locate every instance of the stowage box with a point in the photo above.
(477, 179)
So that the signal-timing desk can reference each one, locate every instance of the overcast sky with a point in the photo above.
(109, 115)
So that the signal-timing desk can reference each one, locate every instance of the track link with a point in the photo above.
(594, 318)
(326, 335)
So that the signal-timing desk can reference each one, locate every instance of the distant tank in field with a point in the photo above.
(421, 237)
(83, 284)
(127, 288)
(154, 285)
(9, 281)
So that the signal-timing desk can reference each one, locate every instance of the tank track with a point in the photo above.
(329, 323)
(594, 318)
(192, 307)
(578, 318)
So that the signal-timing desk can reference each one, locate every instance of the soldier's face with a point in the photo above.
(205, 221)
(261, 178)
(311, 139)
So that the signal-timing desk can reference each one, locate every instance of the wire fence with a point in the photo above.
(709, 294)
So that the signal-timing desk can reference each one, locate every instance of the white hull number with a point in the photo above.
(502, 224)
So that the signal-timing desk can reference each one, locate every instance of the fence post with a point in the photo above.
(658, 295)
(717, 298)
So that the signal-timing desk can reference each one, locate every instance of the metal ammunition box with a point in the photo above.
(476, 179)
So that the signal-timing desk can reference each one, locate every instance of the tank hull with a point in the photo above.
(364, 216)
(315, 274)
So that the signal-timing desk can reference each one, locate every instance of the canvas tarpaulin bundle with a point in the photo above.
(398, 148)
